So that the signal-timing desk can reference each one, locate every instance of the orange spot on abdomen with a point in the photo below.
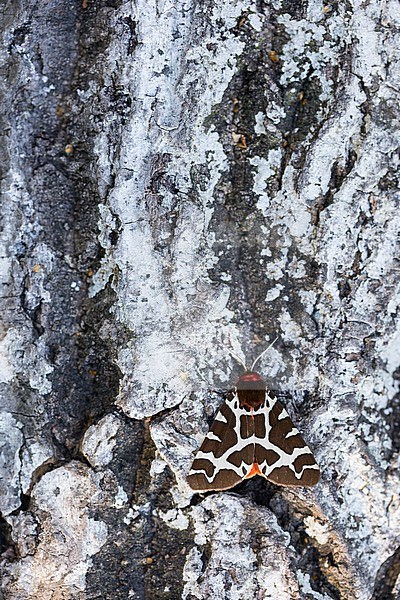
(255, 470)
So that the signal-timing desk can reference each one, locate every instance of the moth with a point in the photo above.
(252, 434)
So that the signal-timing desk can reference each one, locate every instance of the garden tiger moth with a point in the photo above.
(252, 434)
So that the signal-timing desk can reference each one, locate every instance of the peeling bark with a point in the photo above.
(179, 178)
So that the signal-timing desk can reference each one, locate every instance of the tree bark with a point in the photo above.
(182, 180)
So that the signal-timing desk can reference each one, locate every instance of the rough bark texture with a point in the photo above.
(180, 177)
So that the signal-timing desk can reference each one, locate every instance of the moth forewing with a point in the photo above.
(281, 453)
(226, 454)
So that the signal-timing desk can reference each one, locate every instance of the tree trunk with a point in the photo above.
(182, 180)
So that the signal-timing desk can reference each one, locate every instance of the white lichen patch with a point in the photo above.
(41, 263)
(265, 168)
(6, 368)
(175, 448)
(275, 114)
(20, 356)
(5, 269)
(121, 498)
(99, 441)
(312, 46)
(273, 293)
(259, 127)
(24, 532)
(174, 518)
(233, 557)
(307, 590)
(107, 224)
(136, 513)
(309, 300)
(34, 455)
(191, 574)
(11, 442)
(389, 350)
(157, 466)
(130, 516)
(256, 21)
(290, 328)
(321, 532)
(67, 537)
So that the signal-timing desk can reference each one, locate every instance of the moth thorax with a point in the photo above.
(251, 389)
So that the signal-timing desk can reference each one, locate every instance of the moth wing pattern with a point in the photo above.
(281, 453)
(226, 455)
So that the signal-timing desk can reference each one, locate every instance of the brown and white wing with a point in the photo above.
(227, 452)
(281, 453)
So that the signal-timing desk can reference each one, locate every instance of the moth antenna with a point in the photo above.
(262, 354)
(235, 356)
(239, 360)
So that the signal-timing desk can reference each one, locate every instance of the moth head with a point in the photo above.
(251, 389)
(251, 380)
